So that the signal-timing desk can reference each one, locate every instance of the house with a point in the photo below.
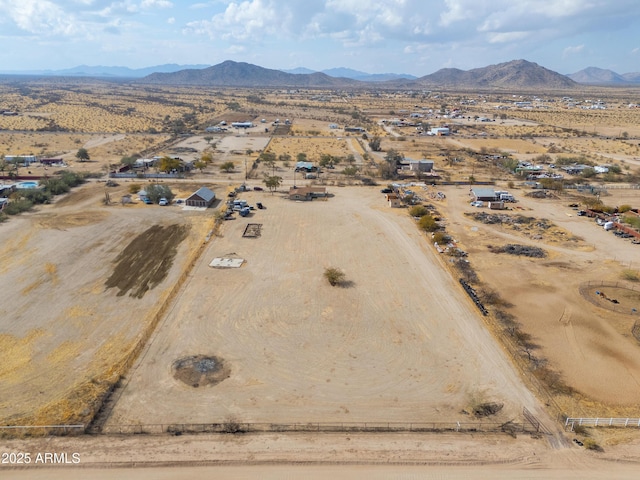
(25, 160)
(52, 161)
(483, 194)
(307, 167)
(440, 131)
(201, 198)
(307, 193)
(420, 165)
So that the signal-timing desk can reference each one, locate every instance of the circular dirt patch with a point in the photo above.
(200, 370)
(612, 297)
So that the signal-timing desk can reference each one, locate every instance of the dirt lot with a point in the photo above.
(401, 342)
(65, 332)
(591, 347)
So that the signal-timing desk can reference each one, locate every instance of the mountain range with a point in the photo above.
(105, 72)
(513, 74)
(599, 76)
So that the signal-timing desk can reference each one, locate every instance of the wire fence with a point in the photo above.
(586, 290)
(40, 430)
(315, 427)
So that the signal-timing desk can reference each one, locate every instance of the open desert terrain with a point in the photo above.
(105, 304)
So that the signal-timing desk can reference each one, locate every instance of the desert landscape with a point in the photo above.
(115, 324)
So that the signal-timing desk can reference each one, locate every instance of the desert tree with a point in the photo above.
(167, 164)
(227, 167)
(200, 165)
(272, 182)
(83, 155)
(374, 143)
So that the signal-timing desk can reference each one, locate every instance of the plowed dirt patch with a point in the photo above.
(145, 262)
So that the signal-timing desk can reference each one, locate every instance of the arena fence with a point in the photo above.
(586, 288)
(571, 423)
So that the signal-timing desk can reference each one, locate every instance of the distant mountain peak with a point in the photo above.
(514, 74)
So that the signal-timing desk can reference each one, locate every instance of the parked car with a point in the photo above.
(163, 202)
(386, 190)
(477, 203)
(147, 200)
(258, 189)
(231, 194)
(581, 213)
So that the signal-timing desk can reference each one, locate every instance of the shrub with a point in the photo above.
(418, 211)
(56, 186)
(624, 208)
(441, 238)
(156, 192)
(36, 195)
(73, 179)
(630, 275)
(334, 276)
(17, 206)
(134, 188)
(428, 223)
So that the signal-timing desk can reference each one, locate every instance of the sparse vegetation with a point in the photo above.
(334, 276)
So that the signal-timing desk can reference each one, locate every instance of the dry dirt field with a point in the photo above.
(592, 347)
(400, 342)
(82, 282)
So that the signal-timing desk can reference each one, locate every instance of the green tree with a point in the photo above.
(83, 155)
(326, 160)
(374, 143)
(350, 171)
(167, 164)
(155, 192)
(301, 157)
(128, 160)
(227, 167)
(272, 182)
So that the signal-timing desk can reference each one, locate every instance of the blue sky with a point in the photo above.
(375, 36)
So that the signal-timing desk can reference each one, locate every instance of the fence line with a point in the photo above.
(146, 175)
(602, 422)
(584, 287)
(318, 427)
(42, 429)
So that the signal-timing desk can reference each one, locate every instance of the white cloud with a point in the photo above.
(41, 17)
(156, 4)
(171, 20)
(572, 50)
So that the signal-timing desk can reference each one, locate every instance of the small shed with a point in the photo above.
(203, 197)
(394, 200)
